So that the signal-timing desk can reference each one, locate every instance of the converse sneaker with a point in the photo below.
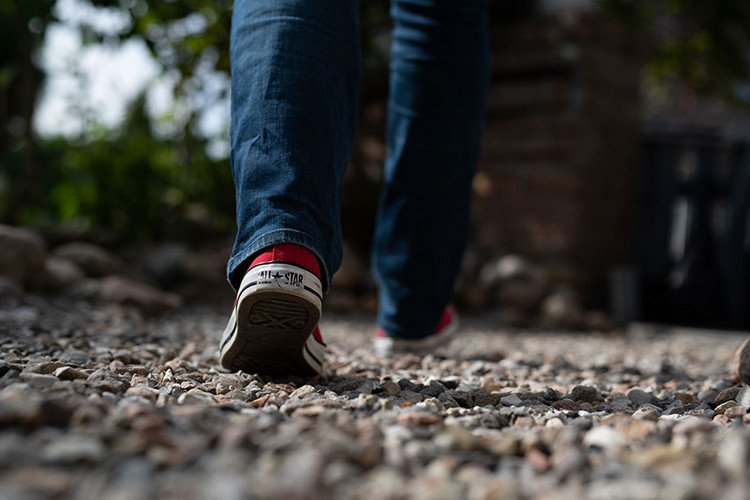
(273, 328)
(446, 329)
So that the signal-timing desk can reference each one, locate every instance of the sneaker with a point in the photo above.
(386, 345)
(273, 329)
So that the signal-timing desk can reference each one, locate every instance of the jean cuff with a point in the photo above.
(239, 262)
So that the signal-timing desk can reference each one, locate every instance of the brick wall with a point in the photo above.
(557, 176)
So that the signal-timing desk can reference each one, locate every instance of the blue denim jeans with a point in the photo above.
(295, 89)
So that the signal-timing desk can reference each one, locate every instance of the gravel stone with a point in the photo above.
(433, 390)
(39, 381)
(487, 399)
(43, 368)
(74, 450)
(638, 397)
(68, 373)
(566, 405)
(156, 417)
(390, 387)
(723, 407)
(707, 395)
(729, 394)
(511, 400)
(742, 363)
(743, 397)
(584, 393)
(735, 412)
(408, 385)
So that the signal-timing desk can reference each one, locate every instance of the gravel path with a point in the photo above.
(99, 402)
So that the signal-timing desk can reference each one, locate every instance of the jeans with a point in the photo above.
(295, 89)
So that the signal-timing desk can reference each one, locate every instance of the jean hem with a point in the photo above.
(274, 238)
(396, 332)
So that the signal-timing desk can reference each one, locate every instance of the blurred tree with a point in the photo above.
(21, 30)
(705, 44)
(127, 178)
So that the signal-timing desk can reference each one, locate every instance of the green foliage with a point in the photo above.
(134, 183)
(130, 182)
(705, 44)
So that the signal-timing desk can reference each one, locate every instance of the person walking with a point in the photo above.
(295, 89)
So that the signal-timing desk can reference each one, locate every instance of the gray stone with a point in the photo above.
(621, 404)
(674, 408)
(491, 399)
(741, 363)
(39, 380)
(44, 368)
(585, 393)
(448, 400)
(410, 395)
(733, 453)
(604, 437)
(521, 284)
(68, 373)
(723, 407)
(707, 395)
(18, 408)
(462, 398)
(646, 413)
(345, 385)
(61, 274)
(551, 395)
(562, 309)
(390, 387)
(119, 290)
(195, 396)
(566, 405)
(93, 260)
(9, 289)
(433, 390)
(405, 383)
(366, 387)
(639, 397)
(21, 256)
(511, 400)
(166, 264)
(74, 450)
(743, 397)
(694, 425)
(727, 394)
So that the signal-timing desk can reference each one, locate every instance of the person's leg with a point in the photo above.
(295, 86)
(438, 84)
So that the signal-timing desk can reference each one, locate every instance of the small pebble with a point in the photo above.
(723, 407)
(638, 397)
(584, 393)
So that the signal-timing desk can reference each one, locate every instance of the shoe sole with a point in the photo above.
(270, 331)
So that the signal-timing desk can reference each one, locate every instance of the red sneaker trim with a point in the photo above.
(445, 320)
(317, 335)
(289, 252)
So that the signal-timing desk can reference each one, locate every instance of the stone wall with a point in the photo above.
(557, 177)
